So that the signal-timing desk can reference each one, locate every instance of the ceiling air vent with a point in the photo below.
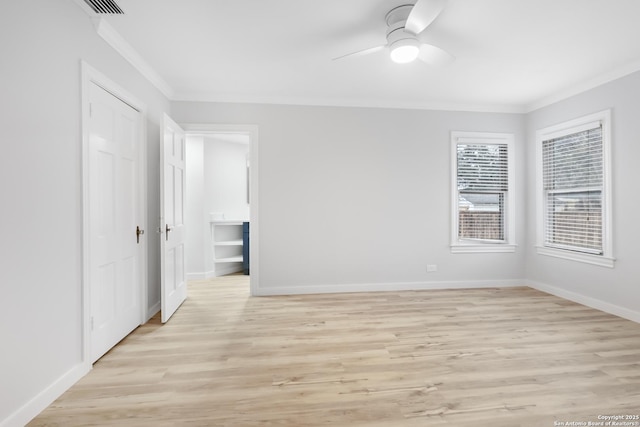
(104, 6)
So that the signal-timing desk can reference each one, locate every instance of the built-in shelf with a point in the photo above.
(229, 243)
(229, 259)
(227, 240)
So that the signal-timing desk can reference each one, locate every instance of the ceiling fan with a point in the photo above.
(404, 23)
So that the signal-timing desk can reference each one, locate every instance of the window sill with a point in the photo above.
(600, 260)
(479, 248)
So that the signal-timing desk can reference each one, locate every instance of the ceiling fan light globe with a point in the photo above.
(404, 53)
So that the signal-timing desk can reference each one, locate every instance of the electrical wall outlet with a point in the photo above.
(431, 268)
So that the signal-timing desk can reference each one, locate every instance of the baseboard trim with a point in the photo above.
(616, 310)
(210, 274)
(227, 269)
(153, 311)
(385, 287)
(46, 397)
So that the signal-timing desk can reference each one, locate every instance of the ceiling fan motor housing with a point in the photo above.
(398, 14)
(397, 37)
(396, 20)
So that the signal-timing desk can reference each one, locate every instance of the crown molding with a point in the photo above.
(344, 102)
(584, 86)
(120, 45)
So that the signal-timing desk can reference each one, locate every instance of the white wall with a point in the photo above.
(225, 176)
(42, 43)
(355, 198)
(615, 290)
(196, 241)
(216, 182)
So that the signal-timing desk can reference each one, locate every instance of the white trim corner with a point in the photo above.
(46, 397)
(595, 303)
(483, 248)
(120, 45)
(599, 260)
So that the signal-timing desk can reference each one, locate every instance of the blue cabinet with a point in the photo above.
(245, 248)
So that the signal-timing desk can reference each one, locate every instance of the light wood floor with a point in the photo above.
(478, 357)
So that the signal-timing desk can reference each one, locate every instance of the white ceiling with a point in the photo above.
(511, 55)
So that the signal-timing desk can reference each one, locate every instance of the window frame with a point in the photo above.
(605, 259)
(508, 244)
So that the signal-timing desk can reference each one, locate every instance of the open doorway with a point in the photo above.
(221, 201)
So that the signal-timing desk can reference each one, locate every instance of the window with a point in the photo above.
(573, 190)
(483, 213)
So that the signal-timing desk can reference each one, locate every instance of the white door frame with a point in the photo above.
(252, 132)
(92, 76)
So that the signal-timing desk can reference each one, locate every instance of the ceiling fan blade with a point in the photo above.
(433, 55)
(423, 14)
(362, 52)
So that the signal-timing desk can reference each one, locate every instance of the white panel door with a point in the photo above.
(114, 215)
(172, 170)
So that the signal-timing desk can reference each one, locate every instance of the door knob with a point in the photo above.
(167, 230)
(139, 232)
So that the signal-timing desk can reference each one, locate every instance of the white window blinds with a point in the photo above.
(573, 188)
(482, 181)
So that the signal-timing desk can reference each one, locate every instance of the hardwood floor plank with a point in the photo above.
(502, 357)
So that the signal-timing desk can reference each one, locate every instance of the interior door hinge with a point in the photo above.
(90, 110)
(92, 323)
